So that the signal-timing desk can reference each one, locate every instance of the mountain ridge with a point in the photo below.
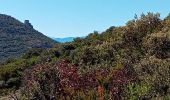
(17, 37)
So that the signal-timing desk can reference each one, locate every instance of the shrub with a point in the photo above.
(64, 80)
(157, 44)
(137, 29)
(155, 72)
(138, 91)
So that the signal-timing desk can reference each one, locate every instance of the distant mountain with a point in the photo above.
(63, 40)
(17, 37)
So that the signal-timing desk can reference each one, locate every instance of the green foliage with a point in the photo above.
(157, 44)
(17, 37)
(155, 72)
(138, 91)
(14, 70)
(136, 29)
(129, 62)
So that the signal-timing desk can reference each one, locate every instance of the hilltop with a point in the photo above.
(17, 37)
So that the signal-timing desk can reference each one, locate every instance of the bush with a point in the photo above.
(137, 29)
(64, 80)
(155, 72)
(138, 91)
(157, 44)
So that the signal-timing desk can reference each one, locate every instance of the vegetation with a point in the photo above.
(123, 63)
(17, 37)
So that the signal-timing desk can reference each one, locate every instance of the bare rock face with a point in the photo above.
(28, 24)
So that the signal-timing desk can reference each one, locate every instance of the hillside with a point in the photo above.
(130, 62)
(17, 37)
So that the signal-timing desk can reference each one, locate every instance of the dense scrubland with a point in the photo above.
(130, 62)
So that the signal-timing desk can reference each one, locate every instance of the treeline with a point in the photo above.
(129, 62)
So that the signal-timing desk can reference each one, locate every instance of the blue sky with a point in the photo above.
(70, 18)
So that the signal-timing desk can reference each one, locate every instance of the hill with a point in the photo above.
(130, 62)
(17, 37)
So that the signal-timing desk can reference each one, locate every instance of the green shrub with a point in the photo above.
(138, 91)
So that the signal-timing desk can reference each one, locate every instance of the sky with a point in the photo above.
(77, 18)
